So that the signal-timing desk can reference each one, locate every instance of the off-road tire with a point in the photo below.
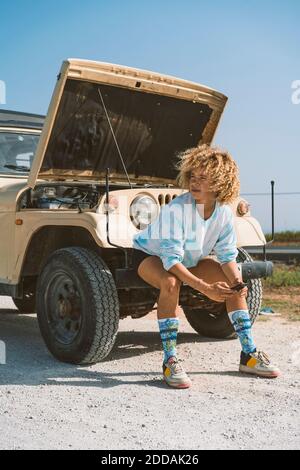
(99, 305)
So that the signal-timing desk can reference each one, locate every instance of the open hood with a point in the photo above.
(153, 117)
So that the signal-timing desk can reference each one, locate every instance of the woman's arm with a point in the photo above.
(171, 234)
(218, 291)
(172, 254)
(171, 226)
(232, 273)
(226, 251)
(234, 276)
(226, 245)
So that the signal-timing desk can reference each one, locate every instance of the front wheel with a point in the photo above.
(77, 306)
(211, 318)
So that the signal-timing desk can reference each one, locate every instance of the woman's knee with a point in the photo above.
(170, 284)
(209, 270)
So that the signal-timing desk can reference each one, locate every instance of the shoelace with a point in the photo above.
(264, 358)
(175, 366)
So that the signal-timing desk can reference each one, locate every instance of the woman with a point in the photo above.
(174, 249)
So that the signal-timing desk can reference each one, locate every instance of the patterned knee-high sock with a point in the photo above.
(168, 328)
(242, 324)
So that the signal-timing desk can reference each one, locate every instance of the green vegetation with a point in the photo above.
(283, 276)
(281, 292)
(285, 237)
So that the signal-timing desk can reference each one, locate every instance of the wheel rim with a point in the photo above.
(64, 308)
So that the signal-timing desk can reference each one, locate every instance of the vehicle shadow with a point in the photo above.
(28, 362)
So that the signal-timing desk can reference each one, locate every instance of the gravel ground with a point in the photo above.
(123, 404)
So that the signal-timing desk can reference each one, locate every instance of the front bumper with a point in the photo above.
(129, 279)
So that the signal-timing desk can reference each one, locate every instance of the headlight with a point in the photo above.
(243, 207)
(143, 211)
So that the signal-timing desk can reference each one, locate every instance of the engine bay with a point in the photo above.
(63, 195)
(58, 196)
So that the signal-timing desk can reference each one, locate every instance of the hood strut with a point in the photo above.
(114, 137)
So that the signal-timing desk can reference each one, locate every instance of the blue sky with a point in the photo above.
(248, 50)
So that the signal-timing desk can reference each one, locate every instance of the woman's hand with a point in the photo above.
(218, 291)
(241, 293)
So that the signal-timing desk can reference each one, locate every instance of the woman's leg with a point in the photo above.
(236, 306)
(252, 361)
(210, 271)
(152, 271)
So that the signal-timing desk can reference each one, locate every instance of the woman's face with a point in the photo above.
(199, 186)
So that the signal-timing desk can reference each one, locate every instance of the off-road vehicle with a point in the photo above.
(76, 186)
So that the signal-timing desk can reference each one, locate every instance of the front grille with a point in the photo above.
(165, 198)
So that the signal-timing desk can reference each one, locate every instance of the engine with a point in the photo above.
(81, 197)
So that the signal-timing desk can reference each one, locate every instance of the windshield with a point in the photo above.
(16, 152)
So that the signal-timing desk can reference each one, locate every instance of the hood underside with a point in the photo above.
(97, 108)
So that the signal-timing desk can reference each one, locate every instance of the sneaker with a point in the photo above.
(174, 374)
(258, 363)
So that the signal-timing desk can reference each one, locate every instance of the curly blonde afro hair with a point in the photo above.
(219, 166)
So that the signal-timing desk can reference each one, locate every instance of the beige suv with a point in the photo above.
(76, 187)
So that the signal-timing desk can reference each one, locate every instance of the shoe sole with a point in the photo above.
(181, 386)
(266, 375)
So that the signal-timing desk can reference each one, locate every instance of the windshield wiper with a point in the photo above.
(18, 168)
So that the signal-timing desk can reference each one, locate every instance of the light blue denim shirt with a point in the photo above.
(181, 235)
